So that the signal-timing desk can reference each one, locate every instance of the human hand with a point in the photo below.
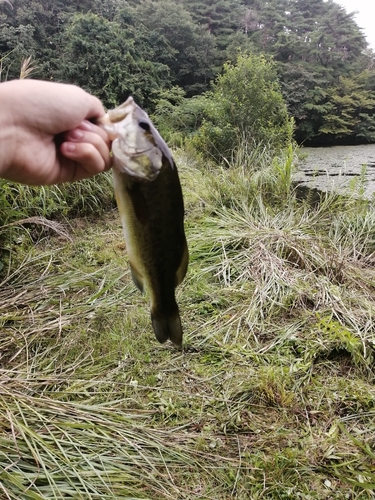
(45, 133)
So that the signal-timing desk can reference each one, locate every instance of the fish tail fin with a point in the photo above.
(167, 327)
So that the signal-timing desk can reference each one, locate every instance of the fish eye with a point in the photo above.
(145, 126)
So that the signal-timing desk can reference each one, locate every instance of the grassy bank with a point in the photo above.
(273, 395)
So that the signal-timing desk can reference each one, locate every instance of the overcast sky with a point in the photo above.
(365, 17)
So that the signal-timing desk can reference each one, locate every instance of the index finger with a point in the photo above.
(95, 107)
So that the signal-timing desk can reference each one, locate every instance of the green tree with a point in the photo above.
(109, 59)
(315, 43)
(178, 117)
(314, 31)
(220, 17)
(192, 67)
(144, 46)
(349, 105)
(32, 28)
(15, 39)
(246, 103)
(304, 87)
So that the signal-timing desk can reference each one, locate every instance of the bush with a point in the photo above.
(178, 117)
(246, 104)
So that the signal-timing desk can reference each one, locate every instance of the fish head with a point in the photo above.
(138, 149)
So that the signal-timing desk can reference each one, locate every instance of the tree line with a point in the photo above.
(171, 51)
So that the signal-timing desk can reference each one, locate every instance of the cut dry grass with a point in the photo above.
(96, 452)
(273, 395)
(37, 305)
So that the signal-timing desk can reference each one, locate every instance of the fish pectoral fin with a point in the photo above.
(167, 327)
(182, 268)
(137, 278)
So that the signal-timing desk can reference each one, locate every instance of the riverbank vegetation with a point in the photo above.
(273, 394)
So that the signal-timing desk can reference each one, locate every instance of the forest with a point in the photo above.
(173, 50)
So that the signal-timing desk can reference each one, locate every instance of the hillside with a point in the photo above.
(115, 48)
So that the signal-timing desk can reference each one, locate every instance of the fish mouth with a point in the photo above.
(135, 153)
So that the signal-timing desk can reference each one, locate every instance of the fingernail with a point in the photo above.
(86, 125)
(70, 147)
(76, 134)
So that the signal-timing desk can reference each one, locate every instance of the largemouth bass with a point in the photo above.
(149, 199)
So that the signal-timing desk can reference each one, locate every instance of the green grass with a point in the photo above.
(273, 394)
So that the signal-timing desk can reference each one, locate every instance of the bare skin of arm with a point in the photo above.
(47, 134)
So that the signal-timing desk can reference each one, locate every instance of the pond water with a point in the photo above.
(344, 169)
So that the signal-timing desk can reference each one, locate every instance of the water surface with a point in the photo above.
(339, 168)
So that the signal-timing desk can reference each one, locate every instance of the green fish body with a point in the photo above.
(150, 202)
